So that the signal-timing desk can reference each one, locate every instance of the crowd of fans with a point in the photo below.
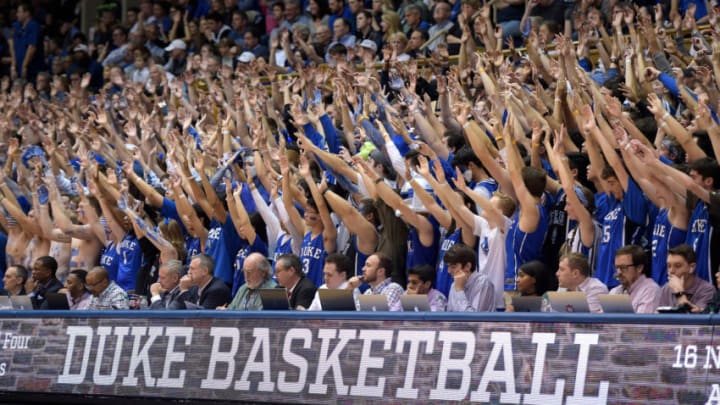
(170, 158)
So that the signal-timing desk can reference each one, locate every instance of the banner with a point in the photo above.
(309, 360)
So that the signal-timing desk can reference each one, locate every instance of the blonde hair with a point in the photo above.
(507, 204)
(392, 19)
(173, 233)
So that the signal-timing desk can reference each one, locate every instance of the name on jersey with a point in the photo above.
(311, 252)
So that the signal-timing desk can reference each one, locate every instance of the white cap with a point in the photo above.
(176, 44)
(246, 57)
(369, 44)
(81, 48)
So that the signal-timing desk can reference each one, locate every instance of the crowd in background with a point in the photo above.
(192, 153)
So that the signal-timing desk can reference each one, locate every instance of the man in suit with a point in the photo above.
(43, 280)
(211, 291)
(168, 292)
(289, 273)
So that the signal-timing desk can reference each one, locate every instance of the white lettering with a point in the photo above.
(85, 332)
(710, 352)
(141, 356)
(714, 395)
(296, 360)
(367, 362)
(535, 396)
(103, 332)
(171, 356)
(414, 338)
(502, 343)
(261, 342)
(216, 356)
(585, 340)
(325, 362)
(441, 391)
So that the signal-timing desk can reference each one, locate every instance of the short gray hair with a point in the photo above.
(206, 261)
(174, 266)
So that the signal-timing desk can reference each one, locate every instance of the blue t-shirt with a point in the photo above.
(664, 237)
(192, 246)
(522, 247)
(698, 237)
(258, 246)
(222, 245)
(417, 253)
(131, 258)
(443, 279)
(109, 260)
(312, 255)
(23, 37)
(622, 225)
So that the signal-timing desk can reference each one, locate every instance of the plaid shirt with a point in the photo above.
(114, 297)
(391, 290)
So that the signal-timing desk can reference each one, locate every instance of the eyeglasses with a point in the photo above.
(623, 267)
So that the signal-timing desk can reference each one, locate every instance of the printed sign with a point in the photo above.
(323, 361)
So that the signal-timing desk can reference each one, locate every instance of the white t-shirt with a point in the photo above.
(491, 254)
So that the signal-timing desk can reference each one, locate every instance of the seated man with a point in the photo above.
(376, 272)
(258, 275)
(44, 280)
(106, 294)
(629, 270)
(211, 292)
(420, 279)
(168, 292)
(684, 288)
(471, 291)
(335, 271)
(289, 273)
(14, 280)
(574, 274)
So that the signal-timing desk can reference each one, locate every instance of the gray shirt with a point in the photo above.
(477, 296)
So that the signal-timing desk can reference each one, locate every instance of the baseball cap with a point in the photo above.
(369, 44)
(81, 48)
(246, 57)
(176, 44)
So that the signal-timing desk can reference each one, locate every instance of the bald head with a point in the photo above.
(97, 280)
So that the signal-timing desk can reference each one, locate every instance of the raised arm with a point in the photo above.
(329, 231)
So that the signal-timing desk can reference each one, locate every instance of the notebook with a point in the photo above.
(527, 304)
(415, 303)
(616, 303)
(574, 301)
(274, 299)
(336, 300)
(21, 302)
(57, 301)
(374, 303)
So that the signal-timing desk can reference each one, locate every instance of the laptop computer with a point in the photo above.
(336, 300)
(415, 303)
(574, 301)
(526, 304)
(57, 301)
(5, 302)
(374, 303)
(274, 299)
(21, 302)
(616, 304)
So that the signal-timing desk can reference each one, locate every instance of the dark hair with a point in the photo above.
(535, 180)
(368, 14)
(544, 280)
(384, 262)
(462, 254)
(607, 172)
(684, 250)
(639, 258)
(217, 17)
(577, 261)
(290, 260)
(464, 156)
(49, 263)
(707, 168)
(337, 50)
(424, 272)
(22, 271)
(80, 274)
(323, 8)
(342, 263)
(702, 139)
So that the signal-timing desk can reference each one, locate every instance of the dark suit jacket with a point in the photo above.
(38, 298)
(214, 295)
(175, 299)
(303, 293)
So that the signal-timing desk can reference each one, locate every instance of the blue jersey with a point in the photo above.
(109, 260)
(522, 247)
(131, 259)
(443, 279)
(360, 258)
(192, 246)
(313, 254)
(282, 247)
(417, 254)
(622, 225)
(698, 236)
(258, 246)
(602, 206)
(664, 237)
(222, 245)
